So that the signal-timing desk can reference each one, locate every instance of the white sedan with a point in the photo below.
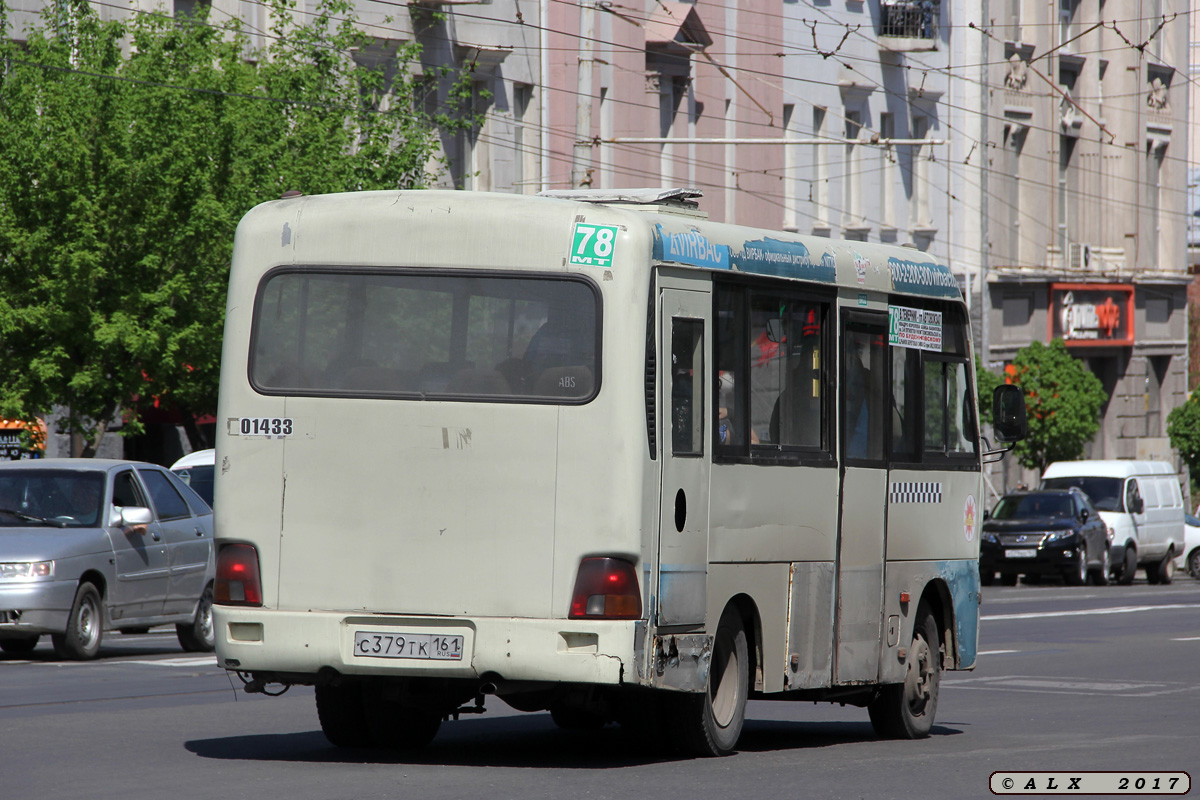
(1189, 559)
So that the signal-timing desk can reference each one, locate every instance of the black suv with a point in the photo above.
(1049, 532)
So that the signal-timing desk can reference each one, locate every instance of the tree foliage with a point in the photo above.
(1183, 429)
(986, 382)
(1062, 399)
(128, 152)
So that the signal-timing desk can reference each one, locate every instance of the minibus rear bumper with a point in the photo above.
(304, 645)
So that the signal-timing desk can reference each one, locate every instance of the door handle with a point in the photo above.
(155, 536)
(198, 531)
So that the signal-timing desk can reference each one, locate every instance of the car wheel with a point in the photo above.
(1009, 578)
(906, 710)
(342, 715)
(198, 636)
(1165, 569)
(1193, 563)
(710, 723)
(20, 646)
(1077, 575)
(1100, 575)
(85, 626)
(1128, 568)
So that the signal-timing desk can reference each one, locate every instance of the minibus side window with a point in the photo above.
(687, 387)
(772, 365)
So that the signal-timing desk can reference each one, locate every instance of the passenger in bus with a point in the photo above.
(796, 417)
(858, 385)
(728, 429)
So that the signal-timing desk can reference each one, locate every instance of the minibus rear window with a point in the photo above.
(462, 336)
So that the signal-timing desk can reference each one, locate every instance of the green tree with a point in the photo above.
(986, 382)
(128, 152)
(1063, 401)
(1183, 429)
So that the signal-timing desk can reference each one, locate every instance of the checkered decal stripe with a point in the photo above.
(917, 492)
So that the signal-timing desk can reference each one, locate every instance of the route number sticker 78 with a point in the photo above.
(593, 245)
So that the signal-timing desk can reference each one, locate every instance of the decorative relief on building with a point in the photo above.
(1158, 98)
(1018, 73)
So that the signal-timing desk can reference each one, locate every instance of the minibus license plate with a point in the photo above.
(424, 646)
(1021, 553)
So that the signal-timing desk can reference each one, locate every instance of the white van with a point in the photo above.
(1141, 502)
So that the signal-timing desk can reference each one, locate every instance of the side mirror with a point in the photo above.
(134, 515)
(1008, 413)
(1083, 515)
(986, 515)
(1139, 506)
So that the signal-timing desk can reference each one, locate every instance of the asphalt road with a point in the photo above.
(1069, 679)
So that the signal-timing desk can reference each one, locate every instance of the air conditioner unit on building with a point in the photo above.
(1079, 255)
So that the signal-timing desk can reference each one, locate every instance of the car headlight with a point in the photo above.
(991, 538)
(25, 570)
(1056, 536)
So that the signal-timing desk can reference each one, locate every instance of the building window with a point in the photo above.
(887, 171)
(909, 19)
(523, 153)
(790, 167)
(820, 182)
(852, 192)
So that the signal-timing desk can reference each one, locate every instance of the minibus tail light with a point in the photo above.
(606, 588)
(238, 582)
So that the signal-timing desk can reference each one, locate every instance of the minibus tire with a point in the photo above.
(710, 723)
(575, 719)
(342, 716)
(85, 626)
(906, 710)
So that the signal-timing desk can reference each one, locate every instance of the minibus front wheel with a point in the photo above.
(906, 710)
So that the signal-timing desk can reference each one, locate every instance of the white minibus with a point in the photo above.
(596, 455)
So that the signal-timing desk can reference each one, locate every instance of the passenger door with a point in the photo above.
(142, 562)
(681, 582)
(863, 517)
(188, 542)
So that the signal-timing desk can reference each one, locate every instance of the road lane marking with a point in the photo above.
(1060, 685)
(210, 661)
(1187, 639)
(1088, 612)
(996, 652)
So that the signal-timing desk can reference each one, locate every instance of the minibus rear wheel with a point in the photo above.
(906, 710)
(710, 724)
(343, 717)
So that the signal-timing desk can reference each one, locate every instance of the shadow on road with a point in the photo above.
(528, 742)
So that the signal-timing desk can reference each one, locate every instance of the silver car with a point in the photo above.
(89, 545)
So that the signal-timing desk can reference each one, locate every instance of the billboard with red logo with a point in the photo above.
(1091, 314)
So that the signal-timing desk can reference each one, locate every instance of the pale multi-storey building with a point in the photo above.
(1036, 148)
(1085, 229)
